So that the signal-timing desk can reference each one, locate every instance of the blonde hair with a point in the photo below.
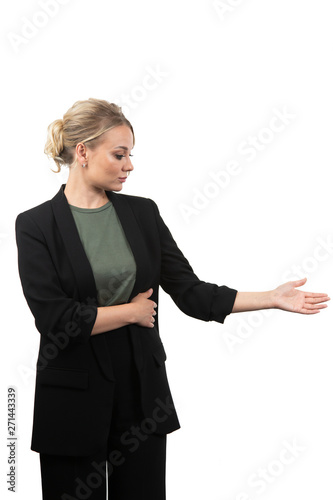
(86, 121)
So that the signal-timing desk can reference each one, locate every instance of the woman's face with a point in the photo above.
(109, 164)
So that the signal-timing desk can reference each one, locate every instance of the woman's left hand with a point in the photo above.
(287, 298)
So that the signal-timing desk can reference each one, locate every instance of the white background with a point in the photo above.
(222, 75)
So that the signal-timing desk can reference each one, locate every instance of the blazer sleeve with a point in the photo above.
(196, 298)
(55, 313)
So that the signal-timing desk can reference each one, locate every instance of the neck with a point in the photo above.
(79, 194)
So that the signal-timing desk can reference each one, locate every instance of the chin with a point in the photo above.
(114, 187)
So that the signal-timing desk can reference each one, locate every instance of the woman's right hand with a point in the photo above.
(144, 309)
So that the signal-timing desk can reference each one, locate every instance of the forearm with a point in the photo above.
(252, 301)
(113, 317)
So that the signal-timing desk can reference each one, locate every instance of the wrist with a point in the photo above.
(270, 299)
(131, 312)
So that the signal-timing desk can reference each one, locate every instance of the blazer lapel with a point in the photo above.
(74, 248)
(135, 239)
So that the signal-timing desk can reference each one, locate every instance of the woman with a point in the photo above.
(91, 261)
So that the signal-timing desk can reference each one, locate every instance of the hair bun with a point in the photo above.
(55, 141)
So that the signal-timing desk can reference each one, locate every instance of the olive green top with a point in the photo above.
(108, 252)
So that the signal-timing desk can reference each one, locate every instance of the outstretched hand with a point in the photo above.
(287, 298)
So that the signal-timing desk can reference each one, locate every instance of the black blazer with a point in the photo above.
(74, 379)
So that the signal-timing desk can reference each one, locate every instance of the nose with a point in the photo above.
(128, 167)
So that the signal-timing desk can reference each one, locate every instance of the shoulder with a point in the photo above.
(38, 210)
(38, 214)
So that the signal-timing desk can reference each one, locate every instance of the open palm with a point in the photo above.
(287, 298)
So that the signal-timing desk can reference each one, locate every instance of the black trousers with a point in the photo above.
(124, 469)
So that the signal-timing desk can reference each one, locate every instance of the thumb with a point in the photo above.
(299, 282)
(148, 292)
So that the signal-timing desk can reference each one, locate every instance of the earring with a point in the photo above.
(83, 165)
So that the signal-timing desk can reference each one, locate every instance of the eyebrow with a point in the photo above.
(121, 147)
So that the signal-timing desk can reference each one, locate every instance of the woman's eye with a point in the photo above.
(119, 157)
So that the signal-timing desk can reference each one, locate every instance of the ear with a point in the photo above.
(81, 153)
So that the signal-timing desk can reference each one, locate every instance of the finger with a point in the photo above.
(324, 295)
(307, 311)
(312, 309)
(316, 299)
(315, 306)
